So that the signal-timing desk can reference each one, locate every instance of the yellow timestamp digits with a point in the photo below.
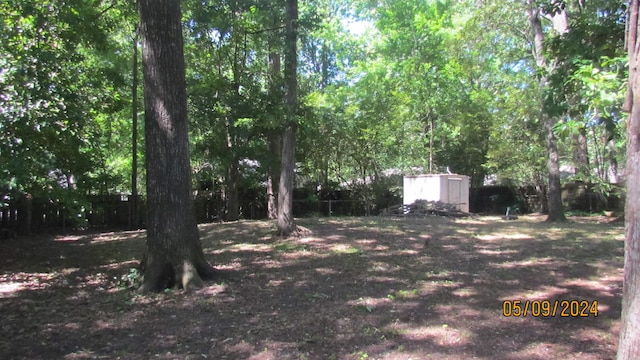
(550, 308)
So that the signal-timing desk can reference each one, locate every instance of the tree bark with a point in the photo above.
(286, 224)
(232, 195)
(275, 147)
(632, 43)
(554, 199)
(581, 154)
(133, 221)
(232, 203)
(25, 214)
(274, 139)
(431, 141)
(629, 342)
(556, 210)
(174, 254)
(613, 162)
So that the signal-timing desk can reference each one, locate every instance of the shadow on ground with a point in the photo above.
(357, 288)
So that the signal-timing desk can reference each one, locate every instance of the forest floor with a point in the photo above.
(354, 288)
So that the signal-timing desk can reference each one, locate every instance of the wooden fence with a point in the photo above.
(42, 215)
(104, 211)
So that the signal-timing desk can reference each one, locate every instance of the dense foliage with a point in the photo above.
(384, 87)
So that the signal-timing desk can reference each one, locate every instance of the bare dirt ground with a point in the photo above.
(355, 288)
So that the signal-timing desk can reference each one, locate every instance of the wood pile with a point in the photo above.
(424, 208)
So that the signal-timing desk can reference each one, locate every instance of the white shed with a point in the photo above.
(448, 188)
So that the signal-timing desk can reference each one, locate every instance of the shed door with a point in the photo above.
(455, 192)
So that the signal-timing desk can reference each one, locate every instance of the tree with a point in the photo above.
(134, 135)
(286, 224)
(274, 138)
(556, 211)
(629, 343)
(62, 91)
(174, 254)
(241, 74)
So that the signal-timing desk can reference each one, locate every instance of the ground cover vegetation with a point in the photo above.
(355, 288)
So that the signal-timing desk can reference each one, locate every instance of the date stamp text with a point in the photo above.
(550, 308)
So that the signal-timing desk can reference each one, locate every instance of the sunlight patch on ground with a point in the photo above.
(10, 289)
(369, 304)
(11, 284)
(378, 266)
(311, 240)
(236, 265)
(381, 248)
(542, 293)
(598, 286)
(504, 236)
(242, 248)
(446, 283)
(366, 242)
(275, 283)
(616, 235)
(240, 348)
(442, 335)
(327, 271)
(118, 265)
(266, 263)
(345, 249)
(335, 237)
(531, 262)
(613, 277)
(116, 236)
(69, 238)
(69, 271)
(539, 350)
(81, 354)
(487, 251)
(296, 255)
(382, 279)
(465, 292)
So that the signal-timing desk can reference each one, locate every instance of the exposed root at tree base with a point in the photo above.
(298, 232)
(186, 276)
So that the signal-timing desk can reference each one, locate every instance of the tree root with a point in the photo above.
(185, 275)
(297, 232)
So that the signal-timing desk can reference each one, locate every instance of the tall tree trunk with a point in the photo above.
(133, 221)
(272, 210)
(25, 214)
(274, 139)
(580, 154)
(629, 342)
(232, 196)
(556, 210)
(275, 148)
(232, 203)
(554, 200)
(431, 143)
(286, 225)
(613, 161)
(174, 254)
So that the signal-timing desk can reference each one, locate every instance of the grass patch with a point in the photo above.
(350, 250)
(290, 247)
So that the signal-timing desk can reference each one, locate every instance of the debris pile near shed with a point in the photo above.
(423, 208)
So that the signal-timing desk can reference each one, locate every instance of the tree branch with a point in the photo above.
(265, 30)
